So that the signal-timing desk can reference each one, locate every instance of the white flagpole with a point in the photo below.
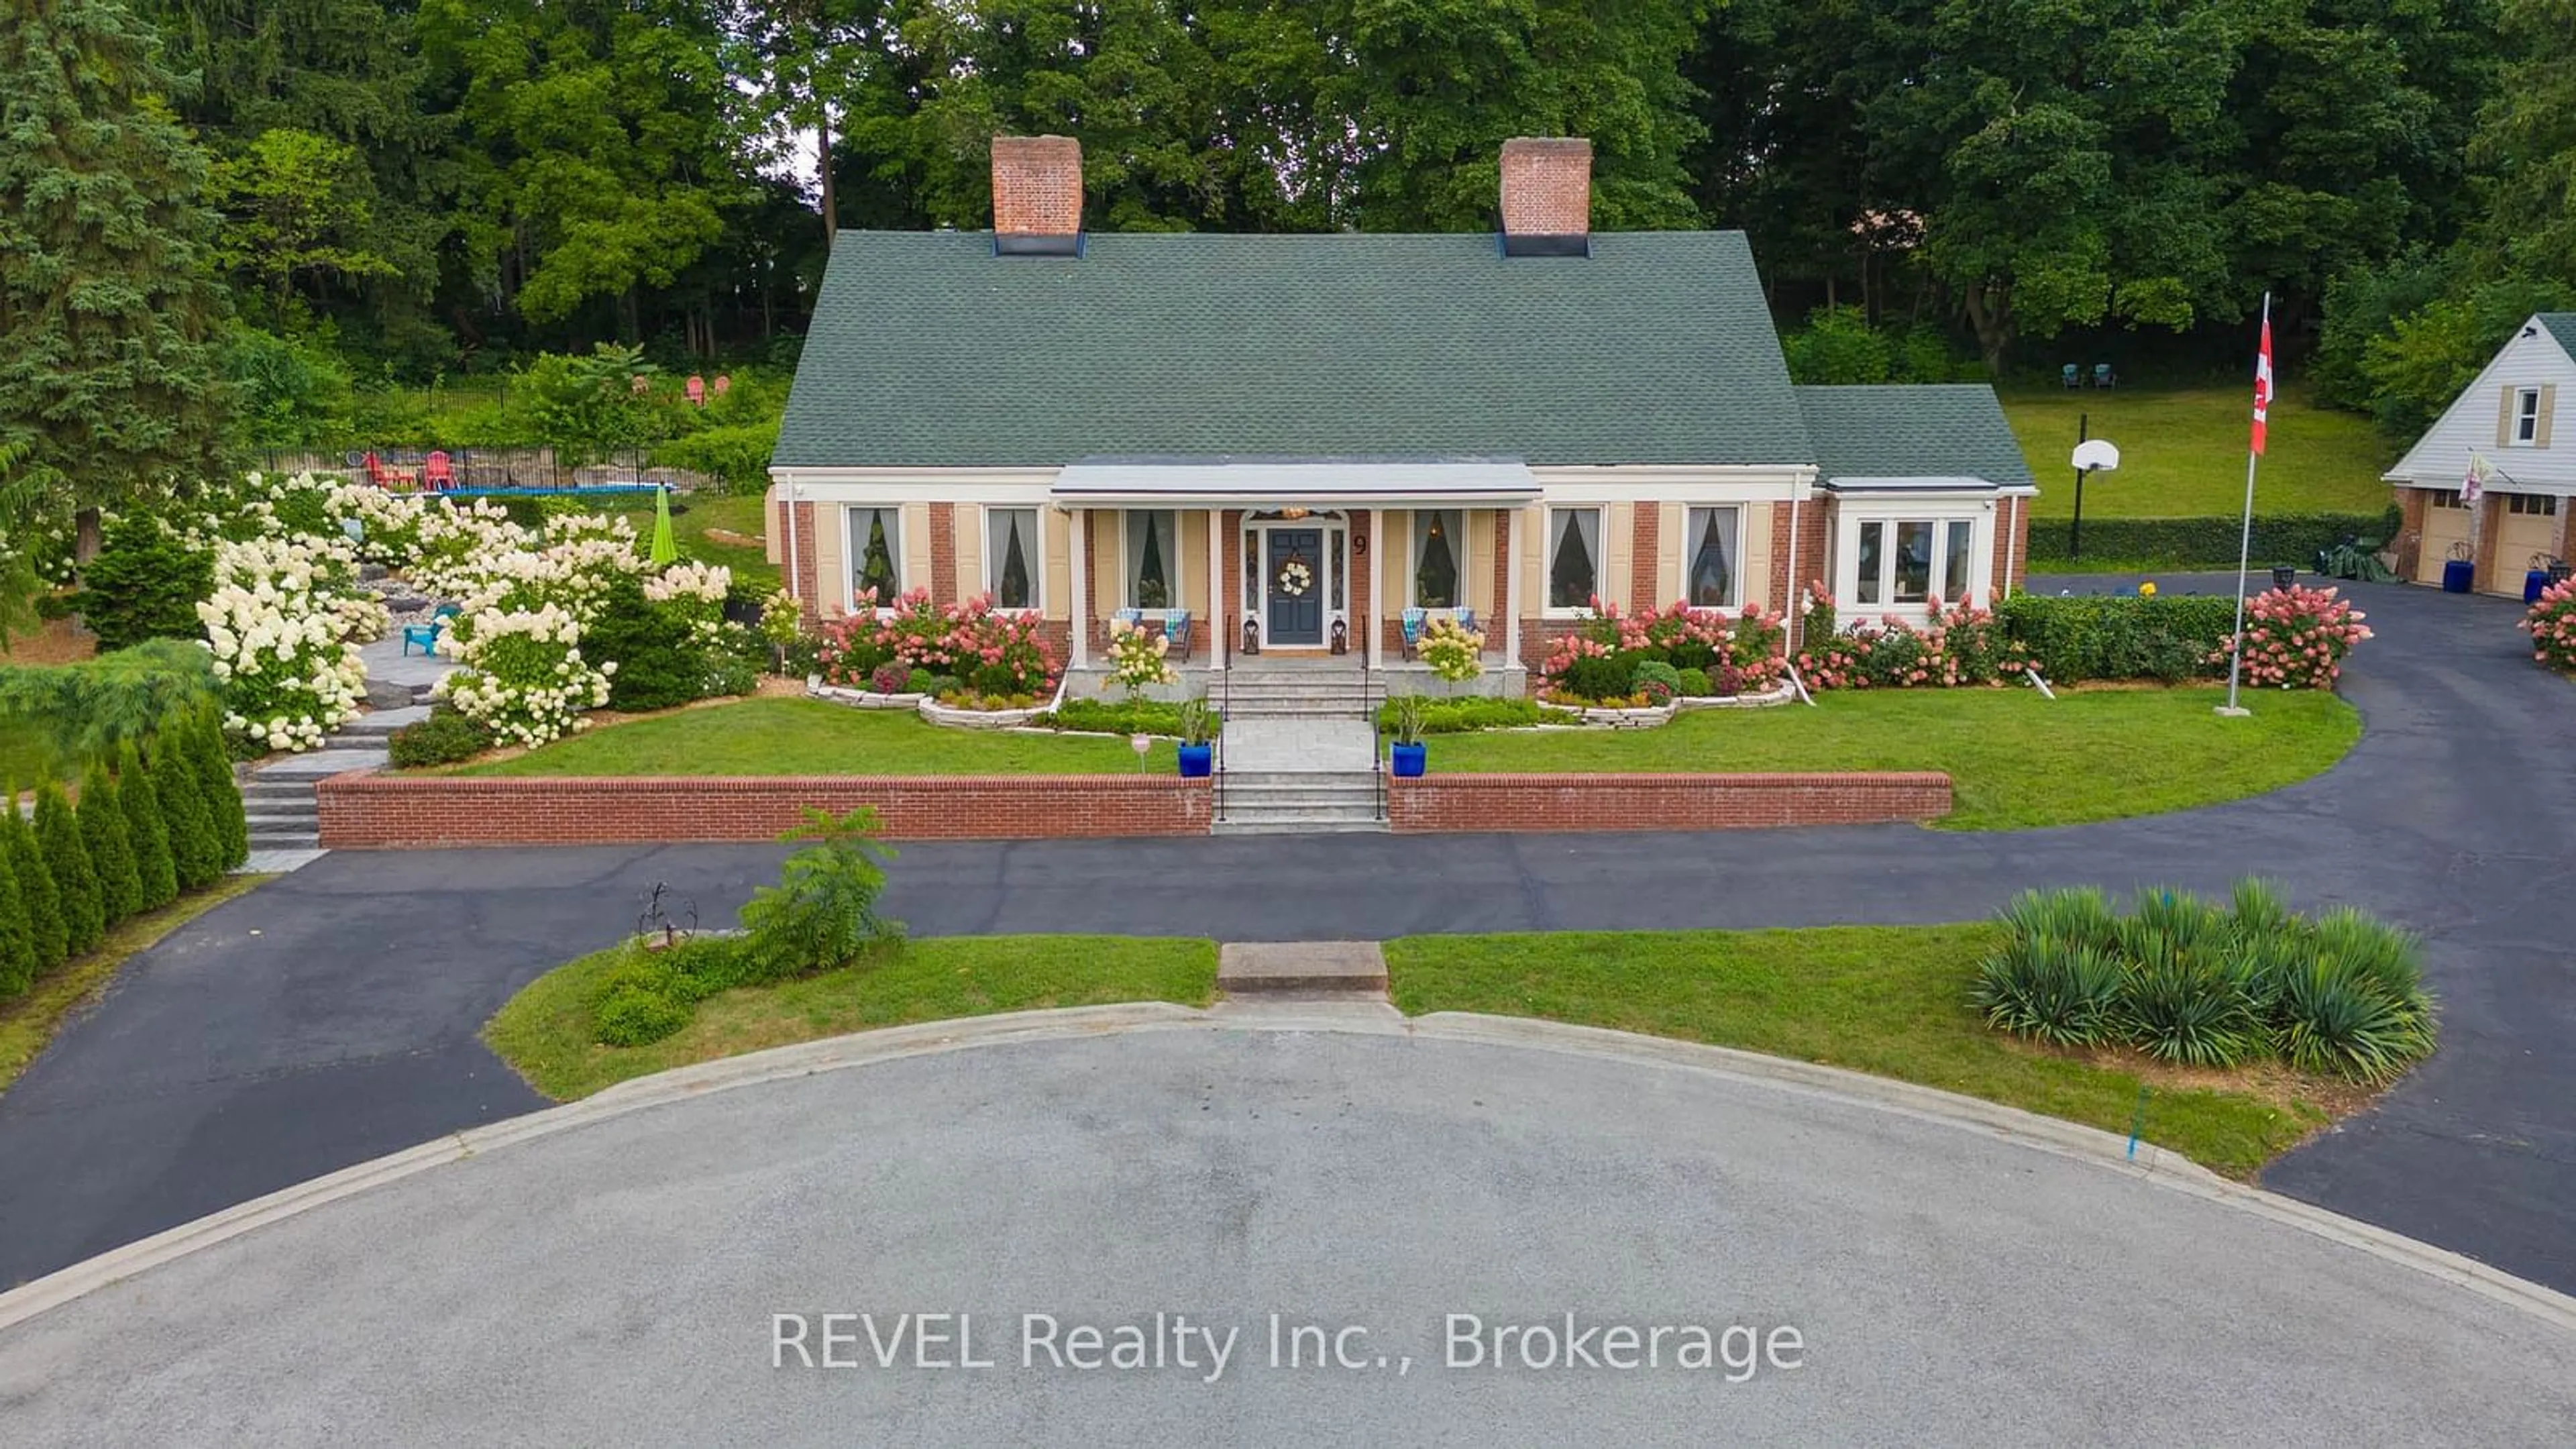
(2244, 554)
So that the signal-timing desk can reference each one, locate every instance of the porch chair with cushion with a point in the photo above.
(2071, 375)
(426, 634)
(1466, 618)
(1410, 622)
(1176, 628)
(1132, 618)
(2102, 375)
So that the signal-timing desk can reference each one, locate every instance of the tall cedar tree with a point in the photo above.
(75, 879)
(108, 299)
(195, 856)
(111, 847)
(39, 904)
(148, 828)
(214, 767)
(17, 950)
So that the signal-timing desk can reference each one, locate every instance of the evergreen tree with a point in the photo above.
(75, 879)
(39, 904)
(148, 828)
(111, 847)
(195, 855)
(214, 767)
(17, 952)
(108, 301)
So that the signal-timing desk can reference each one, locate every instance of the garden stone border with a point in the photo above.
(977, 719)
(862, 698)
(1653, 715)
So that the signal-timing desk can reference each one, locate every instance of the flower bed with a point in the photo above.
(279, 624)
(959, 647)
(1664, 654)
(2552, 626)
(1961, 645)
(2296, 638)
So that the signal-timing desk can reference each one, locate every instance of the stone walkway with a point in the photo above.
(1301, 746)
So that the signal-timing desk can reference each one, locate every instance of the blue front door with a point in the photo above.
(1296, 586)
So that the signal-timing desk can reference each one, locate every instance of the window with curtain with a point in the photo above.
(1573, 557)
(876, 553)
(1954, 564)
(1153, 558)
(1913, 561)
(1873, 538)
(1439, 548)
(1011, 557)
(1708, 558)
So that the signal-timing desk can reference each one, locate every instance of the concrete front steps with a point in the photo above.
(1261, 973)
(277, 798)
(1251, 693)
(1298, 802)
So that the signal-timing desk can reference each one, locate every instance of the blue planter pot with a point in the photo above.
(1196, 761)
(1409, 760)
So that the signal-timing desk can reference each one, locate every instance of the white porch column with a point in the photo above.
(1511, 570)
(1215, 626)
(1366, 563)
(1081, 587)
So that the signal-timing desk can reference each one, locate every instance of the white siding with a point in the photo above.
(2440, 458)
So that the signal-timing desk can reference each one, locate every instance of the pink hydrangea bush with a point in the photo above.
(988, 652)
(1598, 659)
(2296, 638)
(1961, 645)
(2552, 626)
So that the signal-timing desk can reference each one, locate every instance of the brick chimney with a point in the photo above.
(1037, 193)
(1547, 195)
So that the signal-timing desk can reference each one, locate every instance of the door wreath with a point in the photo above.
(1295, 579)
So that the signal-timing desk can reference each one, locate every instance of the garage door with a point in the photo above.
(2529, 527)
(2445, 523)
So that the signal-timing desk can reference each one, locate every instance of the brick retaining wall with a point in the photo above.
(363, 811)
(1439, 802)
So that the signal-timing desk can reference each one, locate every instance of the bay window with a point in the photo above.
(1908, 562)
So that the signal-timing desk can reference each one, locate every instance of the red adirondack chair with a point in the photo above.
(435, 473)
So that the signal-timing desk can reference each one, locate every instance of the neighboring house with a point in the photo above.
(1299, 439)
(2514, 419)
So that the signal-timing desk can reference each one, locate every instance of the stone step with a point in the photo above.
(376, 724)
(319, 763)
(1334, 968)
(285, 840)
(255, 790)
(1276, 816)
(271, 822)
(1300, 779)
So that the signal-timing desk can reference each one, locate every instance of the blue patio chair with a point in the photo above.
(2071, 375)
(1466, 619)
(1176, 628)
(2102, 374)
(1133, 618)
(426, 635)
(1411, 623)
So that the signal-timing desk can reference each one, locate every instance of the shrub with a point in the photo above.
(942, 685)
(915, 681)
(110, 841)
(2296, 638)
(196, 855)
(955, 642)
(2206, 542)
(2551, 623)
(737, 458)
(38, 902)
(215, 784)
(1115, 717)
(17, 944)
(67, 861)
(444, 738)
(892, 678)
(2188, 982)
(1594, 676)
(146, 825)
(658, 664)
(632, 1016)
(1453, 651)
(1463, 716)
(144, 584)
(1695, 683)
(1599, 659)
(524, 678)
(2122, 636)
(1138, 656)
(823, 911)
(1654, 672)
(278, 621)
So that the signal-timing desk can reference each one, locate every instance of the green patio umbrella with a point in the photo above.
(666, 549)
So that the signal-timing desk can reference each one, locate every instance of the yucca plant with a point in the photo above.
(2379, 953)
(2335, 1019)
(2255, 910)
(2178, 1008)
(2051, 991)
(2074, 915)
(2193, 926)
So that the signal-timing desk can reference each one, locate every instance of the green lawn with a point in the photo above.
(1891, 1001)
(2015, 760)
(2182, 453)
(808, 737)
(545, 1030)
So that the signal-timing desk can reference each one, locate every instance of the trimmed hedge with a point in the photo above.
(2119, 636)
(2294, 538)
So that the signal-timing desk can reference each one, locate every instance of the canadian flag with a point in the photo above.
(2263, 378)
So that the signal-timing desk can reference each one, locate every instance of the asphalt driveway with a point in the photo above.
(331, 1016)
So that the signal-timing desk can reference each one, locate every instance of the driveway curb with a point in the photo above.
(2064, 1139)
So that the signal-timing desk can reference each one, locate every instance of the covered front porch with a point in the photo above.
(1302, 565)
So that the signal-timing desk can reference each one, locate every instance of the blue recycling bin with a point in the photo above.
(2457, 575)
(2534, 584)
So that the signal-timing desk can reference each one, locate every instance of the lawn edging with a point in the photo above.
(889, 1044)
(367, 810)
(1436, 803)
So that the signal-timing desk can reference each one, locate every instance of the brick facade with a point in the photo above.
(808, 588)
(2411, 504)
(1644, 554)
(943, 553)
(1363, 568)
(361, 811)
(1812, 543)
(1547, 186)
(1503, 598)
(1539, 803)
(2012, 544)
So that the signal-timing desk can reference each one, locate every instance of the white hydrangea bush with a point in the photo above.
(387, 524)
(522, 675)
(280, 624)
(456, 544)
(695, 593)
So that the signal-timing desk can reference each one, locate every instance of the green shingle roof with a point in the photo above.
(2561, 325)
(928, 350)
(1920, 430)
